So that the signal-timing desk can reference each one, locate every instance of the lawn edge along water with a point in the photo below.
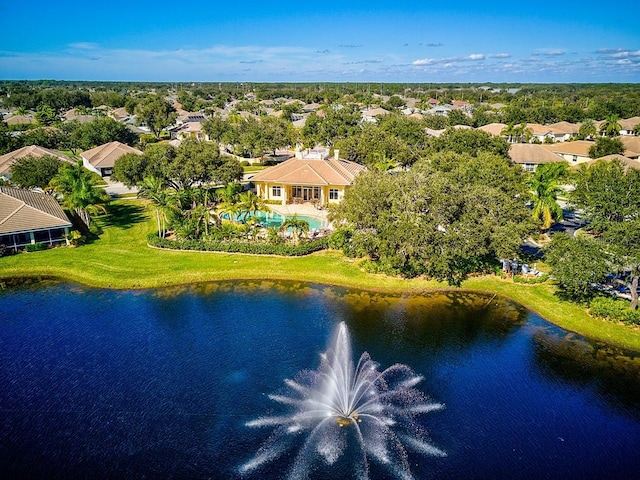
(120, 259)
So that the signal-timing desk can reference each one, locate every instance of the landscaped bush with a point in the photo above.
(615, 310)
(35, 247)
(240, 247)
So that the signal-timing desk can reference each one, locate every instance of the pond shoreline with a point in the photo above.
(585, 325)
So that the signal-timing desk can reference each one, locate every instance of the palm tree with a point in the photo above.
(229, 193)
(545, 188)
(611, 126)
(297, 226)
(80, 191)
(250, 204)
(522, 133)
(155, 190)
(509, 132)
(383, 163)
(227, 198)
(587, 129)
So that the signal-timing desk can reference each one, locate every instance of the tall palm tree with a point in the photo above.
(80, 191)
(522, 133)
(229, 193)
(155, 190)
(611, 125)
(587, 128)
(509, 132)
(545, 188)
(298, 227)
(250, 204)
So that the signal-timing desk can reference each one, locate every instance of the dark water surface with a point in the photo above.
(159, 383)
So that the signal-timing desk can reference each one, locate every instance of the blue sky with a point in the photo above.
(349, 41)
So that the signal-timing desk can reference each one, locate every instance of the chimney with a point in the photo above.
(336, 154)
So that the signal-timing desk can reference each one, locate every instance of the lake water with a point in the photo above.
(160, 383)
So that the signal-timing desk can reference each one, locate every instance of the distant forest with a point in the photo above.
(540, 103)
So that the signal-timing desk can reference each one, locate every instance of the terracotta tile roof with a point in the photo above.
(20, 120)
(23, 211)
(631, 143)
(579, 147)
(532, 153)
(564, 128)
(106, 155)
(538, 129)
(627, 162)
(629, 123)
(494, 129)
(374, 112)
(305, 171)
(31, 150)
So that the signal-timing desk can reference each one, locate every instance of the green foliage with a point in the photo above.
(544, 185)
(470, 142)
(447, 217)
(75, 238)
(156, 113)
(235, 246)
(578, 264)
(606, 146)
(337, 124)
(80, 191)
(397, 139)
(30, 171)
(35, 247)
(180, 168)
(100, 131)
(45, 115)
(614, 310)
(611, 126)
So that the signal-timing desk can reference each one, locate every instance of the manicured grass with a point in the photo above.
(121, 259)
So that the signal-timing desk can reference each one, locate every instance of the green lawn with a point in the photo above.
(121, 259)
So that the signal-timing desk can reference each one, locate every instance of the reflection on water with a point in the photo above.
(613, 372)
(160, 383)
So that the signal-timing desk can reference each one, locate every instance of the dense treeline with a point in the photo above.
(442, 206)
(545, 103)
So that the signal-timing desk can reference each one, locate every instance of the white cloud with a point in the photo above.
(476, 56)
(423, 61)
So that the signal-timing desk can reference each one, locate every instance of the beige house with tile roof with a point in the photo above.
(102, 159)
(573, 152)
(628, 124)
(372, 114)
(28, 217)
(563, 131)
(309, 177)
(530, 155)
(7, 159)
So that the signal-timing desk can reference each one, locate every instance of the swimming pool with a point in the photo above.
(273, 219)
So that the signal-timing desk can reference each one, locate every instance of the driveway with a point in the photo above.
(116, 188)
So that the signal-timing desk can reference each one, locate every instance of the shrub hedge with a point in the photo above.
(35, 247)
(616, 310)
(236, 246)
